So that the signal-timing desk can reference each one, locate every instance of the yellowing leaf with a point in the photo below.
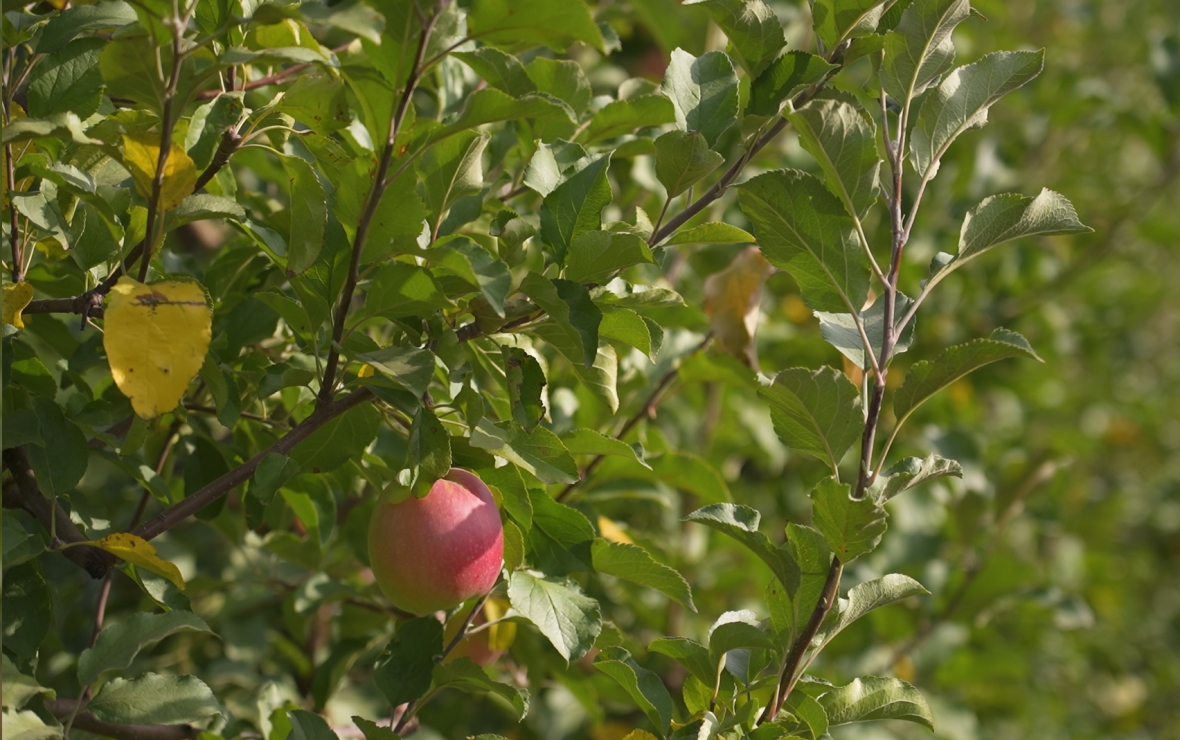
(140, 553)
(613, 532)
(141, 154)
(16, 297)
(366, 371)
(731, 300)
(640, 735)
(156, 337)
(501, 635)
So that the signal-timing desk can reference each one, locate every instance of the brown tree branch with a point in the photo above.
(87, 722)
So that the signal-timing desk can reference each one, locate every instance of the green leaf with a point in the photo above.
(754, 31)
(401, 289)
(682, 159)
(851, 527)
(307, 725)
(621, 117)
(563, 79)
(1002, 218)
(566, 616)
(872, 697)
(864, 598)
(490, 105)
(692, 473)
(837, 20)
(68, 80)
(629, 327)
(803, 229)
(118, 644)
(910, 472)
(28, 725)
(790, 74)
(920, 49)
(690, 654)
(962, 101)
(514, 25)
(60, 461)
(152, 699)
(468, 677)
(601, 378)
(591, 442)
(926, 378)
(373, 731)
(553, 164)
(450, 170)
(398, 218)
(815, 412)
(318, 101)
(561, 539)
(633, 563)
(843, 141)
(575, 207)
(809, 711)
(201, 207)
(309, 214)
(791, 606)
(711, 233)
(128, 67)
(272, 472)
(428, 450)
(501, 71)
(540, 451)
(338, 440)
(597, 254)
(19, 688)
(80, 19)
(646, 688)
(571, 309)
(475, 266)
(525, 380)
(736, 631)
(741, 523)
(839, 330)
(403, 672)
(409, 367)
(704, 92)
(28, 610)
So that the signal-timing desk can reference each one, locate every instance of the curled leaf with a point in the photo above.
(140, 553)
(16, 297)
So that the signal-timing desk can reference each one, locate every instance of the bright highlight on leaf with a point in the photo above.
(141, 553)
(16, 297)
(156, 338)
(141, 154)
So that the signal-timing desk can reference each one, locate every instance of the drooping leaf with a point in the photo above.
(572, 310)
(741, 523)
(156, 337)
(732, 300)
(704, 91)
(815, 412)
(561, 539)
(307, 725)
(791, 606)
(525, 380)
(450, 170)
(839, 330)
(475, 266)
(910, 472)
(645, 687)
(141, 553)
(754, 31)
(837, 20)
(683, 158)
(403, 672)
(152, 699)
(118, 644)
(339, 440)
(788, 75)
(591, 442)
(842, 140)
(202, 206)
(465, 675)
(927, 377)
(514, 25)
(920, 49)
(490, 105)
(629, 327)
(962, 101)
(552, 164)
(864, 598)
(851, 527)
(566, 616)
(428, 450)
(633, 563)
(803, 229)
(873, 697)
(602, 377)
(690, 654)
(736, 630)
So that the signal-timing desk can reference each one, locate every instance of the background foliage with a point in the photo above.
(1055, 606)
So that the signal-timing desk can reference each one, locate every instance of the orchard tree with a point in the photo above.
(282, 275)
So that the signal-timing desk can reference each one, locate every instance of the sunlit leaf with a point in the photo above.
(141, 553)
(16, 297)
(141, 156)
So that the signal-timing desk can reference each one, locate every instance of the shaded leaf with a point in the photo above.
(466, 676)
(910, 472)
(754, 31)
(118, 644)
(594, 255)
(571, 309)
(566, 616)
(645, 687)
(788, 75)
(621, 117)
(815, 412)
(403, 672)
(338, 440)
(525, 380)
(851, 527)
(519, 24)
(837, 20)
(704, 92)
(839, 330)
(690, 654)
(683, 158)
(741, 523)
(450, 170)
(540, 451)
(309, 214)
(842, 140)
(152, 699)
(575, 206)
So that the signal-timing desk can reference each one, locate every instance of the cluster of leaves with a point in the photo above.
(460, 270)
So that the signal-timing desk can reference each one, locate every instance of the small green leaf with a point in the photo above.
(466, 676)
(704, 91)
(754, 31)
(551, 165)
(515, 25)
(591, 442)
(595, 255)
(864, 598)
(525, 380)
(736, 631)
(428, 450)
(575, 207)
(152, 699)
(711, 233)
(683, 158)
(851, 527)
(815, 412)
(920, 49)
(626, 326)
(540, 452)
(741, 523)
(791, 607)
(309, 214)
(690, 654)
(403, 672)
(201, 207)
(839, 330)
(118, 644)
(566, 616)
(450, 170)
(872, 697)
(910, 472)
(409, 367)
(571, 309)
(561, 78)
(28, 609)
(926, 378)
(501, 71)
(621, 117)
(399, 289)
(843, 141)
(476, 267)
(788, 75)
(837, 20)
(633, 563)
(561, 539)
(645, 687)
(1002, 218)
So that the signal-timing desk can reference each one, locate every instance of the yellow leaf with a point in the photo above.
(366, 371)
(502, 635)
(640, 735)
(140, 553)
(141, 154)
(613, 532)
(156, 337)
(731, 300)
(16, 297)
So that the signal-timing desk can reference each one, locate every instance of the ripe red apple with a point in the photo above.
(437, 551)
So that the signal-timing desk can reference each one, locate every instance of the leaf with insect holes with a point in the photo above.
(156, 337)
